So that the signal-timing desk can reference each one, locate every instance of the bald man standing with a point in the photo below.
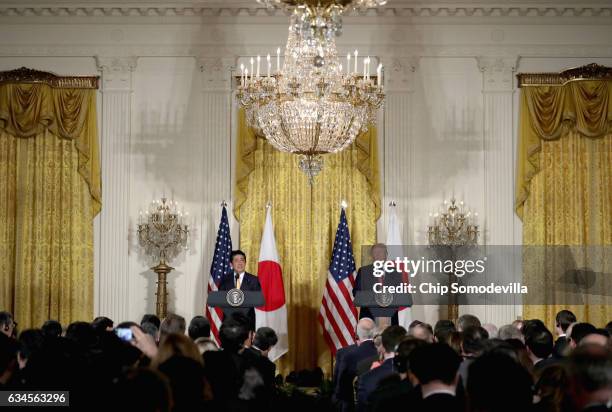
(347, 361)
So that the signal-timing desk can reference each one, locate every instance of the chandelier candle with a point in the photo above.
(311, 106)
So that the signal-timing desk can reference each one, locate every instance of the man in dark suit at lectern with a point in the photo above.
(365, 279)
(238, 278)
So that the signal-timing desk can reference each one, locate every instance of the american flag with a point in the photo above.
(338, 315)
(220, 266)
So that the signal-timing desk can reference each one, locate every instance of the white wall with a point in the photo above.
(448, 127)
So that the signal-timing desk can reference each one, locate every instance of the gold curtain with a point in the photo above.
(305, 220)
(49, 194)
(564, 184)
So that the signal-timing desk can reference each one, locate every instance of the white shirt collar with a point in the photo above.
(436, 391)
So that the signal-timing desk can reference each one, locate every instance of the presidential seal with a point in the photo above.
(235, 297)
(383, 299)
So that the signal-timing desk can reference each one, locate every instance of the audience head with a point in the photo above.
(172, 323)
(391, 338)
(473, 340)
(590, 373)
(7, 324)
(563, 319)
(233, 334)
(176, 344)
(435, 362)
(238, 261)
(443, 330)
(206, 345)
(81, 333)
(199, 327)
(531, 325)
(455, 341)
(151, 318)
(491, 330)
(366, 329)
(150, 329)
(401, 360)
(609, 328)
(102, 324)
(265, 338)
(496, 382)
(52, 329)
(421, 330)
(510, 332)
(599, 337)
(578, 331)
(466, 321)
(518, 324)
(539, 342)
(30, 342)
(552, 388)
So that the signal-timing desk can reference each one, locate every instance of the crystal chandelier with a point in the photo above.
(312, 105)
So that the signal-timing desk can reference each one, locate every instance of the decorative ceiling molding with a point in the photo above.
(26, 75)
(591, 71)
(253, 9)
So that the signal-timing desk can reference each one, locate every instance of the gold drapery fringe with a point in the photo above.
(564, 182)
(305, 220)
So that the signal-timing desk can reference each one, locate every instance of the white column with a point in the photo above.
(397, 147)
(112, 294)
(499, 166)
(216, 157)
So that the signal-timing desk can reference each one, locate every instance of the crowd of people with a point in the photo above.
(167, 365)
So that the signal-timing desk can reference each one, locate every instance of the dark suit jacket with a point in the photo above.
(368, 382)
(537, 368)
(441, 402)
(364, 365)
(393, 391)
(347, 372)
(560, 345)
(249, 283)
(263, 365)
(225, 372)
(365, 280)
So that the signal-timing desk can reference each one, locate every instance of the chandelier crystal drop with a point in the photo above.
(312, 105)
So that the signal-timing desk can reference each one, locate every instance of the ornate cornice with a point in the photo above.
(591, 71)
(233, 8)
(25, 75)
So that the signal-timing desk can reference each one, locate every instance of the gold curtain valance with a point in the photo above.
(30, 107)
(365, 144)
(549, 111)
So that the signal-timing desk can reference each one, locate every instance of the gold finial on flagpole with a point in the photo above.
(343, 204)
(223, 203)
(269, 204)
(392, 203)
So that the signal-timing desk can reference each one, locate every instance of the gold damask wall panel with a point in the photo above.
(564, 182)
(305, 220)
(50, 191)
(47, 241)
